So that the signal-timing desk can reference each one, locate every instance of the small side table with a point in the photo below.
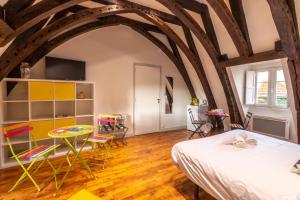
(217, 118)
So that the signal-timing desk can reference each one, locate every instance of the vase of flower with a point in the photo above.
(25, 70)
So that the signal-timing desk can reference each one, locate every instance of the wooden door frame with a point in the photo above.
(160, 92)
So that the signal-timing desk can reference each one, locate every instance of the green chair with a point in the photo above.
(33, 154)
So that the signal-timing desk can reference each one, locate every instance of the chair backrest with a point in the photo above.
(191, 115)
(121, 118)
(203, 109)
(247, 120)
(106, 122)
(15, 130)
(120, 124)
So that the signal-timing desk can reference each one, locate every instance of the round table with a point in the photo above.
(70, 132)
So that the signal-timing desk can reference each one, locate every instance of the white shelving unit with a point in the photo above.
(17, 106)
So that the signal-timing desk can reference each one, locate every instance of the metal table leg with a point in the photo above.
(77, 157)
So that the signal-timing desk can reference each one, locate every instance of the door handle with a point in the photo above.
(158, 100)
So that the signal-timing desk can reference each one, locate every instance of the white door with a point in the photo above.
(147, 99)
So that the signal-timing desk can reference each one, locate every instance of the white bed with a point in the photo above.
(227, 172)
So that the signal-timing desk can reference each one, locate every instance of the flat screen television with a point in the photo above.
(64, 69)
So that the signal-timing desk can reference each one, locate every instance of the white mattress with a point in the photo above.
(227, 172)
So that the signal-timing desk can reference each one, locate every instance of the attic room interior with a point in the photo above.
(150, 99)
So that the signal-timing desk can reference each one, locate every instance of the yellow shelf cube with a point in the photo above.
(64, 91)
(40, 90)
(41, 129)
(64, 122)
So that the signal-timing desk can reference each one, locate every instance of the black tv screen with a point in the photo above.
(64, 69)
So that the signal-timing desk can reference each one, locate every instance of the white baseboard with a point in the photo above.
(131, 134)
(175, 128)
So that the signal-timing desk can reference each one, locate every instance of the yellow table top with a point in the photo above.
(71, 131)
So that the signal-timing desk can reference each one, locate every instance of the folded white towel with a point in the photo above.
(296, 168)
(240, 141)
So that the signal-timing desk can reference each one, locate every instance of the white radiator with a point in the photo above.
(271, 126)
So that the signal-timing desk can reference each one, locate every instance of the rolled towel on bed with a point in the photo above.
(296, 167)
(241, 141)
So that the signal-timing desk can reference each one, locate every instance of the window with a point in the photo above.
(266, 88)
(262, 88)
(280, 90)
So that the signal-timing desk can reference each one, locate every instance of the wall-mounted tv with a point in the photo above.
(64, 69)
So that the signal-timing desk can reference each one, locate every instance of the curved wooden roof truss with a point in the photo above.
(38, 28)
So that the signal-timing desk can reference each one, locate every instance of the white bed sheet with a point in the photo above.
(227, 172)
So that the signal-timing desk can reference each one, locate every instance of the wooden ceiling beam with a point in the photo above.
(10, 59)
(165, 16)
(191, 57)
(192, 5)
(199, 70)
(44, 9)
(202, 9)
(231, 25)
(13, 7)
(286, 27)
(15, 44)
(284, 15)
(48, 46)
(101, 23)
(239, 15)
(191, 24)
(174, 57)
(5, 29)
(209, 28)
(148, 27)
(31, 16)
(294, 71)
(40, 11)
(2, 17)
(59, 15)
(294, 68)
(258, 57)
(182, 66)
(291, 4)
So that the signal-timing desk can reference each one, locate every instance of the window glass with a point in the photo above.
(281, 92)
(280, 75)
(262, 87)
(262, 76)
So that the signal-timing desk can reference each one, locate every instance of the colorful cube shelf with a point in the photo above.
(47, 104)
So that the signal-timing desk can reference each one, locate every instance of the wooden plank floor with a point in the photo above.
(141, 170)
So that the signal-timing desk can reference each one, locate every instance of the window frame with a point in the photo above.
(272, 80)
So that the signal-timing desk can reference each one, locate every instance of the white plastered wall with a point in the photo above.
(110, 54)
